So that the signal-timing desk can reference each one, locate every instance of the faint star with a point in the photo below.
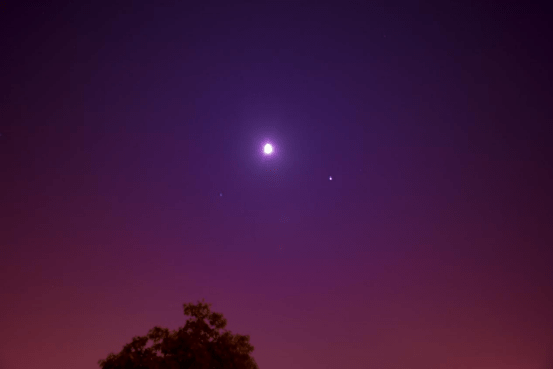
(330, 178)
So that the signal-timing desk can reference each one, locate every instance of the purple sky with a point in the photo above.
(133, 180)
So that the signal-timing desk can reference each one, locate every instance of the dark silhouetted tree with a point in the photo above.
(202, 343)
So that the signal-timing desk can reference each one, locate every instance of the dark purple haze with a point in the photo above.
(133, 180)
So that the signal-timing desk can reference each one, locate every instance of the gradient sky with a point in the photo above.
(133, 180)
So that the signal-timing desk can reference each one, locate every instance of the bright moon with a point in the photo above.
(268, 149)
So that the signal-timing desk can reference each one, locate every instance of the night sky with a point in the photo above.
(133, 180)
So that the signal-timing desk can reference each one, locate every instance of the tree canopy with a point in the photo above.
(202, 343)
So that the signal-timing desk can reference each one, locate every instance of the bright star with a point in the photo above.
(268, 149)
